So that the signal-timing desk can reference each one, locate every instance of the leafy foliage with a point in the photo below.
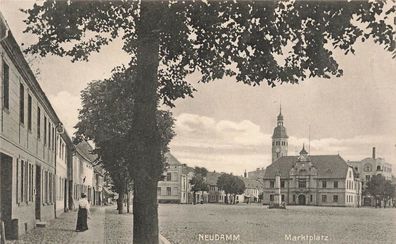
(106, 119)
(255, 41)
(231, 184)
(380, 188)
(198, 181)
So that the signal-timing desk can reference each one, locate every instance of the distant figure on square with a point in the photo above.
(83, 213)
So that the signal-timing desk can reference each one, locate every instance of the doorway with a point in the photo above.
(6, 194)
(38, 192)
(301, 199)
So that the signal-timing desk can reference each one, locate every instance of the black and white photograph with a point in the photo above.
(197, 121)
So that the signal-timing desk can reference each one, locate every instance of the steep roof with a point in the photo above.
(329, 166)
(251, 183)
(85, 150)
(257, 174)
(171, 160)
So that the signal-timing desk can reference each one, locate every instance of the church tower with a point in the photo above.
(279, 139)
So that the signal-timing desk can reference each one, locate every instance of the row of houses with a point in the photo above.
(42, 173)
(176, 187)
(303, 179)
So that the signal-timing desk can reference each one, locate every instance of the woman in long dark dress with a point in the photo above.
(83, 212)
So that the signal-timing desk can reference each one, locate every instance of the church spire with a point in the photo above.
(280, 111)
(280, 116)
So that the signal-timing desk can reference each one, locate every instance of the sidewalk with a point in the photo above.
(106, 226)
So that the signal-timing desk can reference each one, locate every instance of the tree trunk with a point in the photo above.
(194, 197)
(128, 200)
(145, 139)
(120, 203)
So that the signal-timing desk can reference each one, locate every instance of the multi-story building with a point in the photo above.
(215, 195)
(257, 174)
(83, 171)
(369, 167)
(64, 148)
(29, 134)
(98, 184)
(321, 180)
(175, 188)
(253, 188)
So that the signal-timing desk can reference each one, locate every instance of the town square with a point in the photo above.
(251, 223)
(197, 121)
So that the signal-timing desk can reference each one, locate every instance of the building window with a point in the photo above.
(6, 85)
(53, 138)
(302, 184)
(26, 182)
(21, 104)
(378, 168)
(168, 191)
(294, 198)
(272, 184)
(159, 191)
(29, 112)
(282, 184)
(31, 174)
(283, 198)
(324, 198)
(38, 122)
(335, 198)
(271, 198)
(324, 184)
(350, 174)
(49, 134)
(22, 180)
(311, 198)
(168, 176)
(335, 184)
(45, 130)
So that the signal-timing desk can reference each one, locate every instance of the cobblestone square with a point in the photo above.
(243, 223)
(258, 224)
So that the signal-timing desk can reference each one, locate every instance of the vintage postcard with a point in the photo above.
(197, 121)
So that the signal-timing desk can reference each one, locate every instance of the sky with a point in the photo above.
(227, 126)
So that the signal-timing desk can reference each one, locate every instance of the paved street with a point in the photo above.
(253, 223)
(258, 224)
(105, 226)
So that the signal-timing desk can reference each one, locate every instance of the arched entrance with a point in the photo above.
(301, 199)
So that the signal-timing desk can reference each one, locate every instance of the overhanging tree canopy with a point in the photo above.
(168, 40)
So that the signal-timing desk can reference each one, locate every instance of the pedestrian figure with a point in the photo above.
(83, 213)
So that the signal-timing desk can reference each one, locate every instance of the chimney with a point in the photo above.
(245, 174)
(373, 152)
